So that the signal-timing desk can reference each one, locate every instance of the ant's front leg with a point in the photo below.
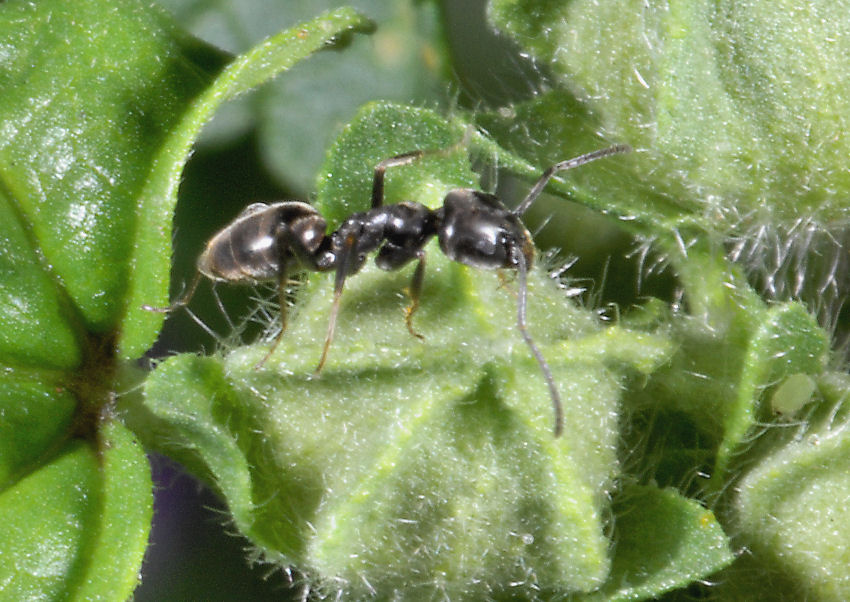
(563, 166)
(406, 159)
(346, 265)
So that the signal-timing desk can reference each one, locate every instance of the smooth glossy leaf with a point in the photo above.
(47, 516)
(80, 120)
(77, 528)
(33, 323)
(119, 534)
(81, 124)
(36, 414)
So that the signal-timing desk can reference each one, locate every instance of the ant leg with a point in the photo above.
(562, 166)
(406, 159)
(281, 295)
(522, 271)
(378, 179)
(345, 267)
(505, 282)
(221, 308)
(415, 292)
(181, 302)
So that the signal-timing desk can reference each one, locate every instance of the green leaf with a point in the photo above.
(37, 412)
(80, 121)
(345, 181)
(737, 108)
(77, 528)
(80, 126)
(725, 378)
(554, 126)
(297, 119)
(152, 250)
(412, 462)
(664, 541)
(786, 340)
(789, 506)
(34, 330)
(735, 350)
(100, 105)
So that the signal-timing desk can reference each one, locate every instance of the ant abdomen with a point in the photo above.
(263, 242)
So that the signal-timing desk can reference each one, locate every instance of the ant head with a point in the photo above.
(477, 230)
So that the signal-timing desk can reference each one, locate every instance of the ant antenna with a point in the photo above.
(522, 272)
(563, 166)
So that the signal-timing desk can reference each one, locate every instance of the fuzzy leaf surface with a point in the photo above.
(737, 108)
(735, 350)
(664, 541)
(789, 504)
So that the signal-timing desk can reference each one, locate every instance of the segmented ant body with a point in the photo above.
(268, 242)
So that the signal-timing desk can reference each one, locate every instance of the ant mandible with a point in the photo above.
(266, 242)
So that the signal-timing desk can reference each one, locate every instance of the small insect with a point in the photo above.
(267, 242)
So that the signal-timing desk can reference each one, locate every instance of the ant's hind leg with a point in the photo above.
(381, 168)
(406, 159)
(415, 292)
(182, 301)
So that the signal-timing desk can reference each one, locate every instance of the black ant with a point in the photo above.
(267, 242)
